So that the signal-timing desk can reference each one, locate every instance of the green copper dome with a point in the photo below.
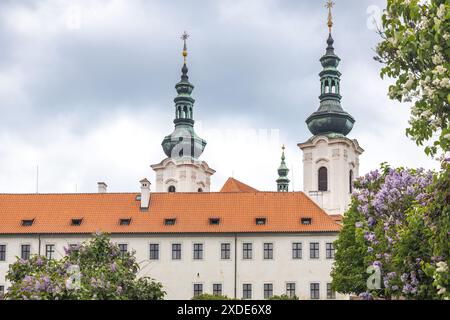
(183, 141)
(330, 118)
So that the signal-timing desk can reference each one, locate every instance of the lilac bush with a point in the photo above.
(93, 270)
(398, 224)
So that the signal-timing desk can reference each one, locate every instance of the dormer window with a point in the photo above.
(27, 222)
(214, 221)
(76, 222)
(306, 221)
(261, 221)
(125, 222)
(172, 189)
(170, 222)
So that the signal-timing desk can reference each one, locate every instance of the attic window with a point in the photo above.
(261, 221)
(125, 222)
(306, 221)
(138, 197)
(214, 221)
(27, 223)
(77, 222)
(170, 222)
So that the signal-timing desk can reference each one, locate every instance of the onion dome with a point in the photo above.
(184, 142)
(330, 118)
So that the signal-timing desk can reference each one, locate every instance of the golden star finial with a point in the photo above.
(329, 5)
(184, 37)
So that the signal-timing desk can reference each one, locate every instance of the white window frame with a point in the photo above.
(6, 252)
(159, 251)
(203, 254)
(181, 250)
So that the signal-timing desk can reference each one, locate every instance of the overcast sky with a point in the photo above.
(87, 88)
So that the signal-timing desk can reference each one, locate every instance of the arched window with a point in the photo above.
(172, 189)
(323, 179)
(200, 190)
(350, 181)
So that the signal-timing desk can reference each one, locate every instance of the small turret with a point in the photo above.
(283, 171)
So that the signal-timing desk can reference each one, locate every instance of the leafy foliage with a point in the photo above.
(94, 270)
(416, 53)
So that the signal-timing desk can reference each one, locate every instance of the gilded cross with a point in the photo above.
(329, 5)
(184, 37)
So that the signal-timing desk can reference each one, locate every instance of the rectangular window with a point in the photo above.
(330, 251)
(123, 249)
(50, 251)
(25, 251)
(2, 252)
(261, 221)
(198, 289)
(198, 251)
(154, 251)
(214, 221)
(268, 290)
(176, 251)
(217, 289)
(170, 222)
(125, 222)
(27, 223)
(268, 251)
(247, 251)
(331, 294)
(314, 250)
(76, 222)
(225, 251)
(290, 290)
(246, 291)
(2, 291)
(315, 293)
(296, 250)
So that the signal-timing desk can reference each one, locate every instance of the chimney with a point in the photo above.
(102, 187)
(145, 193)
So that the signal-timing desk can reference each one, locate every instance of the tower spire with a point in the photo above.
(184, 142)
(330, 119)
(185, 69)
(329, 5)
(283, 171)
(184, 37)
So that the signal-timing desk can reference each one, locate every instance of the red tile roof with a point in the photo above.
(233, 185)
(337, 217)
(53, 213)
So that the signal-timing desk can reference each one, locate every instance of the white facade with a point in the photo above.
(340, 157)
(179, 276)
(185, 175)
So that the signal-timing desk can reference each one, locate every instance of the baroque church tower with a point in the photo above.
(330, 159)
(182, 171)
